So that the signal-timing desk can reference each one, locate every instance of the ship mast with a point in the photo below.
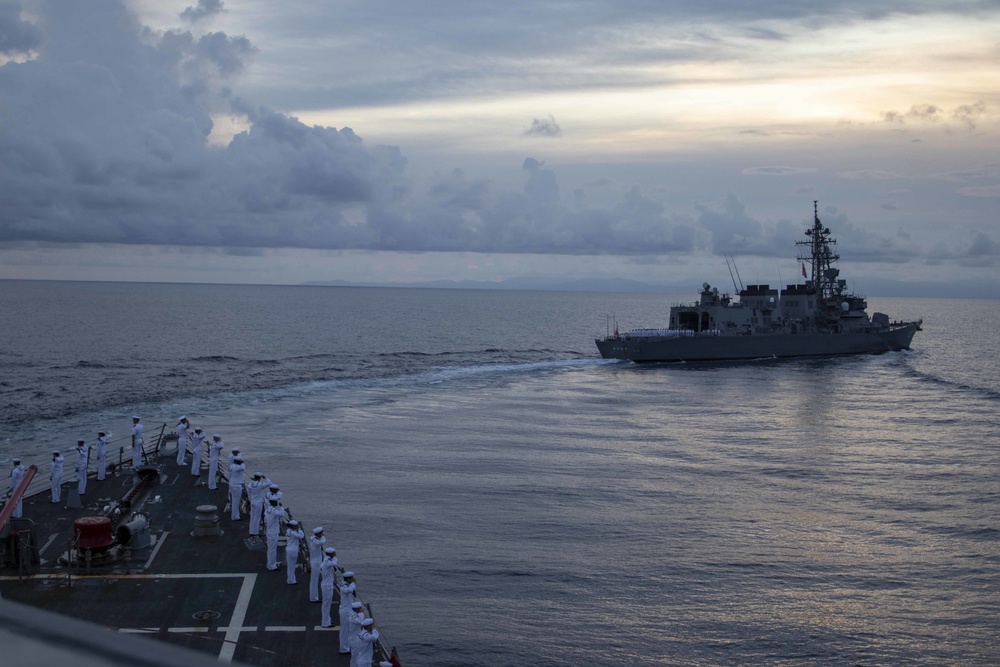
(821, 259)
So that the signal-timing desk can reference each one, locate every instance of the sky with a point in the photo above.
(244, 141)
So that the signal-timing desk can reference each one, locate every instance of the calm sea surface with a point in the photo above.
(508, 498)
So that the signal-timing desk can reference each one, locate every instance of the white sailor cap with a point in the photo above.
(329, 551)
(216, 436)
(16, 459)
(368, 622)
(236, 449)
(181, 418)
(356, 605)
(258, 474)
(273, 487)
(197, 428)
(293, 523)
(317, 530)
(135, 417)
(237, 459)
(81, 441)
(348, 575)
(55, 451)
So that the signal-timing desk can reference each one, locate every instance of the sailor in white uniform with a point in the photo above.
(293, 536)
(101, 447)
(136, 442)
(196, 451)
(316, 543)
(55, 475)
(327, 569)
(346, 600)
(16, 475)
(233, 454)
(214, 448)
(236, 469)
(255, 491)
(82, 460)
(182, 439)
(354, 618)
(272, 526)
(364, 644)
(273, 492)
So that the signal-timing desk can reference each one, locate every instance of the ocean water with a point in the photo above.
(508, 498)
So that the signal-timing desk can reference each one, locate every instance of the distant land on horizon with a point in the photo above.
(875, 288)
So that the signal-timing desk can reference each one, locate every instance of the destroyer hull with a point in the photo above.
(707, 347)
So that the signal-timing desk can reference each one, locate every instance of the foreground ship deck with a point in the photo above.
(212, 594)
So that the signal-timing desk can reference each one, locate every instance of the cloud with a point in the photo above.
(105, 140)
(966, 114)
(17, 37)
(545, 127)
(205, 9)
(777, 171)
(869, 175)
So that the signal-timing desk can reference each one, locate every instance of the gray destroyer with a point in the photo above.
(817, 318)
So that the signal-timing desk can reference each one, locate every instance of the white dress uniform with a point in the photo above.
(236, 469)
(354, 619)
(364, 644)
(196, 452)
(136, 444)
(101, 447)
(272, 526)
(182, 441)
(55, 476)
(293, 536)
(82, 461)
(255, 491)
(316, 545)
(16, 475)
(327, 569)
(346, 600)
(214, 448)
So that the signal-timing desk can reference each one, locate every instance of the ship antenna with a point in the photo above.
(735, 288)
(738, 272)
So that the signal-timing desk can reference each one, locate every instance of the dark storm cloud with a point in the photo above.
(17, 37)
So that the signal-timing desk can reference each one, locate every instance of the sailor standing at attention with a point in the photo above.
(182, 439)
(214, 448)
(55, 475)
(16, 475)
(82, 460)
(316, 543)
(293, 536)
(236, 469)
(326, 570)
(101, 446)
(346, 600)
(196, 451)
(136, 442)
(255, 491)
(272, 526)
